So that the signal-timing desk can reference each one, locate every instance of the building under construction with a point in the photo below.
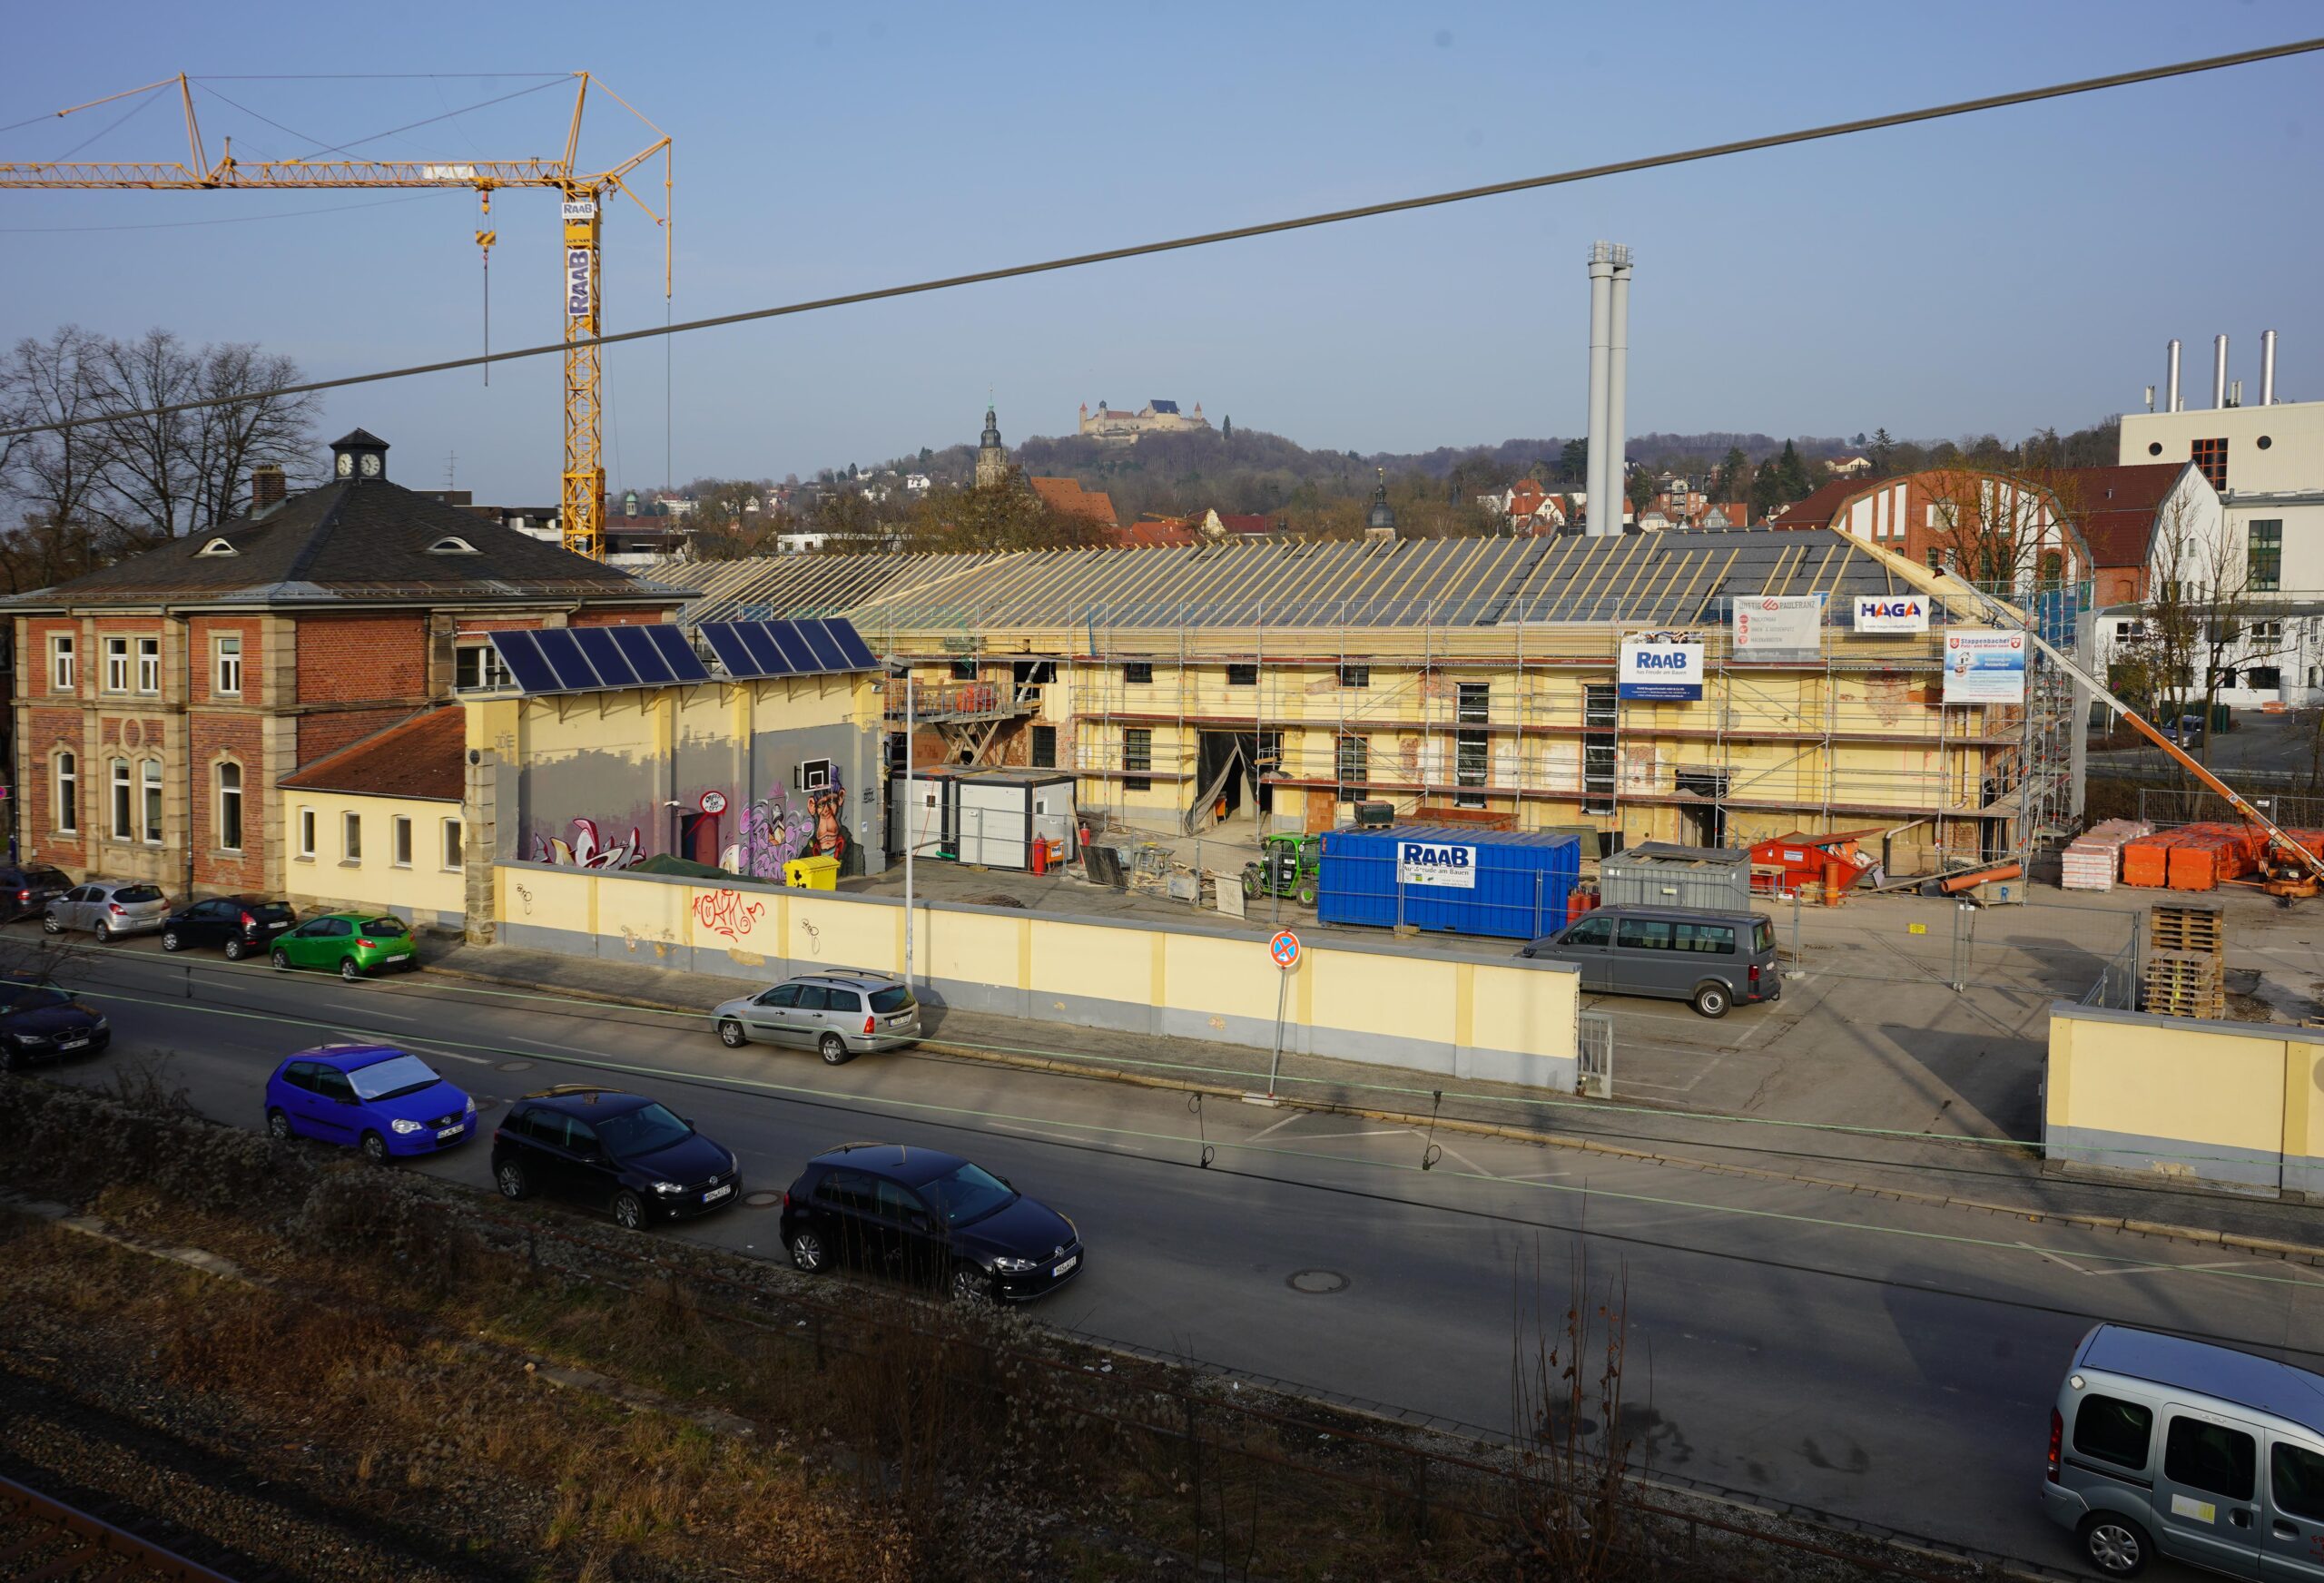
(1275, 684)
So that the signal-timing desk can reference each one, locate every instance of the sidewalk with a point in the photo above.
(1997, 1178)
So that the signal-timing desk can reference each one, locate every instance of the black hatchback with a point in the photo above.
(622, 1153)
(26, 892)
(243, 925)
(930, 1217)
(38, 1021)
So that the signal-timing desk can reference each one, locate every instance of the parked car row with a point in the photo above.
(350, 944)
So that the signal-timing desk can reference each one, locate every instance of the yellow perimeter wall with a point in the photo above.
(2235, 1103)
(1487, 1018)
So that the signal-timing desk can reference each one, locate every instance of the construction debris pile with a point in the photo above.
(2186, 962)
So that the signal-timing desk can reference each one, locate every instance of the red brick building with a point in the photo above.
(158, 701)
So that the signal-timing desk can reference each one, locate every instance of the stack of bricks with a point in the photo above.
(2186, 962)
(2094, 861)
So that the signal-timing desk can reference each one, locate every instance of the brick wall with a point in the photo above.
(617, 618)
(33, 662)
(250, 629)
(240, 738)
(360, 658)
(327, 733)
(43, 731)
(497, 623)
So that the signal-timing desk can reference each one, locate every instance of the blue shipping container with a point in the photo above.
(1469, 881)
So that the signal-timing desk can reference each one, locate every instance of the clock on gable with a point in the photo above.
(360, 455)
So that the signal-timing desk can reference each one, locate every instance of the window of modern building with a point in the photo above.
(228, 651)
(123, 800)
(1354, 765)
(62, 675)
(151, 775)
(1137, 672)
(230, 807)
(2264, 555)
(351, 839)
(149, 664)
(400, 841)
(2210, 460)
(1244, 675)
(116, 664)
(68, 810)
(2267, 635)
(452, 854)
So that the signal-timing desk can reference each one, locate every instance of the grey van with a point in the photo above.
(2209, 1455)
(840, 1015)
(1712, 959)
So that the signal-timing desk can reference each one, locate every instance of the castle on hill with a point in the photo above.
(1116, 426)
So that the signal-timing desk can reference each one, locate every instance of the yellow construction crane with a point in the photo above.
(579, 277)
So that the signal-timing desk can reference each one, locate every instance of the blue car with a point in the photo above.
(374, 1097)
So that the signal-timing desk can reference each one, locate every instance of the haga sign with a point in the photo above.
(1891, 613)
(1661, 672)
(1436, 863)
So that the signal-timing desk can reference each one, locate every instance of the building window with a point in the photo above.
(1138, 673)
(2264, 553)
(152, 777)
(964, 670)
(1356, 675)
(477, 668)
(351, 839)
(116, 664)
(2267, 635)
(61, 677)
(1243, 675)
(2054, 569)
(1044, 749)
(1138, 754)
(1472, 754)
(123, 809)
(1936, 557)
(400, 841)
(229, 657)
(149, 664)
(2210, 460)
(68, 810)
(452, 855)
(2263, 678)
(307, 832)
(230, 807)
(1355, 762)
(1475, 703)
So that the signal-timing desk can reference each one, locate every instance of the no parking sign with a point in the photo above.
(1284, 948)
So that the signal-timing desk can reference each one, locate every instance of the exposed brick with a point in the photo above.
(360, 658)
(240, 738)
(327, 733)
(617, 618)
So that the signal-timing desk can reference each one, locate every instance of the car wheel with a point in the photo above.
(235, 949)
(375, 1148)
(50, 926)
(278, 1125)
(970, 1286)
(349, 969)
(103, 933)
(170, 940)
(282, 961)
(1712, 1000)
(807, 1252)
(2115, 1545)
(511, 1180)
(730, 1034)
(629, 1214)
(834, 1050)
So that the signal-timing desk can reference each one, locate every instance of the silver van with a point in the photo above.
(840, 1015)
(2206, 1454)
(1712, 959)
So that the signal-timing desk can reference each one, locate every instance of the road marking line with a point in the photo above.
(2054, 1258)
(1464, 1159)
(1537, 1176)
(1277, 1127)
(1317, 1138)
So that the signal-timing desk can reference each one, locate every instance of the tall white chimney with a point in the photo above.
(2218, 373)
(2267, 367)
(1617, 381)
(1602, 331)
(2172, 383)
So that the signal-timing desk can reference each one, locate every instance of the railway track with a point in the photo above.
(43, 1538)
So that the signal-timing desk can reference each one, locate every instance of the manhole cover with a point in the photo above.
(761, 1200)
(514, 1067)
(1317, 1282)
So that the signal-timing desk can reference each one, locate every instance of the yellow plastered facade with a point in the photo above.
(423, 889)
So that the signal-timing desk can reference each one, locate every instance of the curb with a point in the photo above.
(2271, 1246)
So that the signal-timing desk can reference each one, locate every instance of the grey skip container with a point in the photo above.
(1662, 874)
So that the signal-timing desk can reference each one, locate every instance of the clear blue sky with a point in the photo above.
(2001, 272)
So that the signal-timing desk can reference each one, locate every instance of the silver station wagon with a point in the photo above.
(839, 1015)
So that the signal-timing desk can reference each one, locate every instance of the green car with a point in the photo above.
(353, 942)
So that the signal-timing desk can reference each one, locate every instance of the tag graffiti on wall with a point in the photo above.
(728, 913)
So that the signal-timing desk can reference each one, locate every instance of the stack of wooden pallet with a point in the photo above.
(2094, 861)
(2186, 962)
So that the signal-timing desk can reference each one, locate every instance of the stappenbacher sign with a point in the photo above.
(1659, 671)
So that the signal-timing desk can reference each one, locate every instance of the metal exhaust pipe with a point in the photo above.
(2267, 367)
(2172, 383)
(2218, 373)
(1617, 380)
(1602, 329)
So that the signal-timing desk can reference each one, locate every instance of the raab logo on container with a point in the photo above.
(1436, 863)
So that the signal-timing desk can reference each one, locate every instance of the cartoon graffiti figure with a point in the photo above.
(826, 805)
(588, 849)
(772, 832)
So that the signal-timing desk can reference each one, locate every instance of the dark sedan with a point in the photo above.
(928, 1216)
(619, 1152)
(243, 925)
(38, 1021)
(26, 892)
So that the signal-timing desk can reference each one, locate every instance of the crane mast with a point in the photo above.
(584, 196)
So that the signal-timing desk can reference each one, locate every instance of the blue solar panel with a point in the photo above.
(851, 644)
(727, 645)
(794, 647)
(574, 673)
(671, 646)
(827, 654)
(644, 658)
(598, 644)
(522, 656)
(770, 659)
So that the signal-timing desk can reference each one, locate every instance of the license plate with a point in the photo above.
(452, 1132)
(715, 1193)
(1066, 1268)
(72, 1044)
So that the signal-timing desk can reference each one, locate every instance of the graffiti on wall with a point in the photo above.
(775, 830)
(727, 912)
(588, 849)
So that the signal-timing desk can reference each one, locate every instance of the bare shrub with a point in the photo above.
(1575, 1508)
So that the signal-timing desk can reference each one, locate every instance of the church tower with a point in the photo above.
(992, 462)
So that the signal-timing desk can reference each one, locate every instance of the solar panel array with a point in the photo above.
(597, 659)
(787, 648)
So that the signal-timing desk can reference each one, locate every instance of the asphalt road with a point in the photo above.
(1887, 1362)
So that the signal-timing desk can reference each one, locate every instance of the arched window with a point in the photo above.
(2054, 569)
(230, 806)
(66, 810)
(124, 812)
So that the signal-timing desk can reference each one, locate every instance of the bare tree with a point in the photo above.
(54, 477)
(2207, 613)
(2006, 529)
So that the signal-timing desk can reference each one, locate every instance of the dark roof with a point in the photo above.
(2116, 507)
(419, 757)
(1163, 405)
(1819, 508)
(351, 539)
